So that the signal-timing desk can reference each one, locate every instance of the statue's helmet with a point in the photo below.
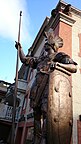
(52, 41)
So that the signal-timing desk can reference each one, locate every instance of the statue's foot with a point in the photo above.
(43, 141)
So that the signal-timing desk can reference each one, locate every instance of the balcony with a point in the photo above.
(6, 109)
(6, 112)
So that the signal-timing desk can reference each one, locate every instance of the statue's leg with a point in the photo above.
(37, 125)
(43, 135)
(44, 115)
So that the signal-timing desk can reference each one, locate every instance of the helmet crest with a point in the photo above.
(54, 41)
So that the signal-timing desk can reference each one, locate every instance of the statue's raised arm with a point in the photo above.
(27, 60)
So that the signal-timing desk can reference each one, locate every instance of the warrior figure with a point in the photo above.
(45, 64)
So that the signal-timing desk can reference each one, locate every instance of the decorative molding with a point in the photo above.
(74, 10)
(62, 17)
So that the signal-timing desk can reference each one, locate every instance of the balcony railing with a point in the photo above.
(6, 112)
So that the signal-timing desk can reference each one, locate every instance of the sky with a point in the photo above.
(33, 14)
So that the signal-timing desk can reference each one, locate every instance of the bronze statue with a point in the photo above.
(50, 64)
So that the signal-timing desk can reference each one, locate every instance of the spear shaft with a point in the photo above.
(15, 89)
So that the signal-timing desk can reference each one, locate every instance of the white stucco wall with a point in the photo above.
(76, 78)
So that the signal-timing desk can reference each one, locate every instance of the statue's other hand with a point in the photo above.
(52, 66)
(17, 44)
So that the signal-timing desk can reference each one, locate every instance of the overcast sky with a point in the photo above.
(33, 14)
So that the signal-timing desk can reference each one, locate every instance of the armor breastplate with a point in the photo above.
(44, 65)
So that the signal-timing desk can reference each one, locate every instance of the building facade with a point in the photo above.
(6, 108)
(66, 22)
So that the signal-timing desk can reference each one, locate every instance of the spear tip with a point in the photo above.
(20, 13)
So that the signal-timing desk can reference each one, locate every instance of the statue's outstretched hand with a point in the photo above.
(17, 44)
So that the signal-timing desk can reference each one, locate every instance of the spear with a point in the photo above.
(16, 85)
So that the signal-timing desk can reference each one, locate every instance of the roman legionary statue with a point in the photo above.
(50, 95)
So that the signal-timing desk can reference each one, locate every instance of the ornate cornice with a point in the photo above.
(62, 17)
(74, 10)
